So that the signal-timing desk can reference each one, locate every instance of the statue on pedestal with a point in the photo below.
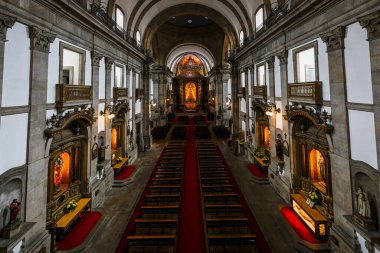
(362, 203)
(14, 208)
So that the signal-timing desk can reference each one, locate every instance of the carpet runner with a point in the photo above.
(256, 171)
(80, 231)
(126, 173)
(298, 226)
(191, 230)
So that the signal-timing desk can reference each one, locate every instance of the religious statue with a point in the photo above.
(14, 208)
(58, 173)
(321, 164)
(362, 203)
(279, 148)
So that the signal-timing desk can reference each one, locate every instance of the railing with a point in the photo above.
(310, 92)
(260, 91)
(72, 94)
(120, 93)
(100, 13)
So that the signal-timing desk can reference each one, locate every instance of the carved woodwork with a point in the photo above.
(69, 94)
(120, 93)
(260, 92)
(310, 92)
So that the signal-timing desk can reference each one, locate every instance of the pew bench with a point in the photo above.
(165, 189)
(244, 243)
(223, 210)
(227, 226)
(156, 226)
(222, 198)
(151, 244)
(167, 181)
(162, 199)
(217, 188)
(160, 212)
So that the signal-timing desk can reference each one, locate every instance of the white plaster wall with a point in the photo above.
(362, 243)
(279, 115)
(151, 85)
(72, 59)
(249, 82)
(323, 68)
(102, 79)
(88, 69)
(125, 77)
(138, 106)
(50, 113)
(243, 128)
(277, 77)
(16, 71)
(101, 126)
(358, 67)
(243, 105)
(362, 136)
(112, 79)
(255, 75)
(53, 70)
(229, 88)
(242, 79)
(290, 67)
(250, 107)
(130, 83)
(13, 132)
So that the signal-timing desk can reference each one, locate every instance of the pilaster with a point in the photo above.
(371, 23)
(5, 23)
(134, 107)
(235, 84)
(109, 63)
(145, 105)
(340, 153)
(40, 41)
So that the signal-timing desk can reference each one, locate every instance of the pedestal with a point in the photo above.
(365, 223)
(11, 230)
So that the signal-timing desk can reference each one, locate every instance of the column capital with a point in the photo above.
(109, 63)
(5, 23)
(96, 58)
(372, 23)
(334, 39)
(40, 39)
(270, 61)
(283, 57)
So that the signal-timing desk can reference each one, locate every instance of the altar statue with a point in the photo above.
(362, 203)
(14, 208)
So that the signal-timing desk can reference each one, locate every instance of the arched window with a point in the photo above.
(259, 18)
(138, 38)
(119, 18)
(241, 38)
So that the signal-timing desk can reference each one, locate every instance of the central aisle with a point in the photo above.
(191, 236)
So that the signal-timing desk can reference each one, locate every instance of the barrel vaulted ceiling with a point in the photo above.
(149, 17)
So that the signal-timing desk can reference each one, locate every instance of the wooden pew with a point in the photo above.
(156, 226)
(220, 198)
(163, 169)
(164, 189)
(242, 243)
(214, 180)
(151, 243)
(219, 211)
(167, 181)
(160, 212)
(162, 199)
(217, 188)
(227, 226)
(212, 173)
(168, 174)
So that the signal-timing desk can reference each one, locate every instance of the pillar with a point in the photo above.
(235, 103)
(109, 63)
(37, 163)
(134, 107)
(271, 97)
(340, 155)
(145, 105)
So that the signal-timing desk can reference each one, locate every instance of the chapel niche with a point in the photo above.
(119, 133)
(67, 171)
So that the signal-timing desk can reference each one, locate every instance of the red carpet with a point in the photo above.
(298, 225)
(80, 231)
(191, 236)
(256, 171)
(126, 173)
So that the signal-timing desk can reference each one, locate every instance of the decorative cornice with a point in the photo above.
(96, 58)
(316, 117)
(40, 39)
(283, 57)
(57, 123)
(270, 61)
(5, 23)
(119, 106)
(109, 63)
(334, 39)
(372, 23)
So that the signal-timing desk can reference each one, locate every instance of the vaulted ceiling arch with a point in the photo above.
(145, 11)
(188, 9)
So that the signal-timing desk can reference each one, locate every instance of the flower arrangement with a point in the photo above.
(71, 206)
(313, 196)
(118, 159)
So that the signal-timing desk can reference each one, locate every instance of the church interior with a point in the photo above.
(188, 126)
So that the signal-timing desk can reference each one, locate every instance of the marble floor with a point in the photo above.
(264, 202)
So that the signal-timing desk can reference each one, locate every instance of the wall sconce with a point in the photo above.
(109, 110)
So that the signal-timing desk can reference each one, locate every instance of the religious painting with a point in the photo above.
(190, 96)
(317, 166)
(61, 172)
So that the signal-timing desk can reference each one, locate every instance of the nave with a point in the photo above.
(192, 202)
